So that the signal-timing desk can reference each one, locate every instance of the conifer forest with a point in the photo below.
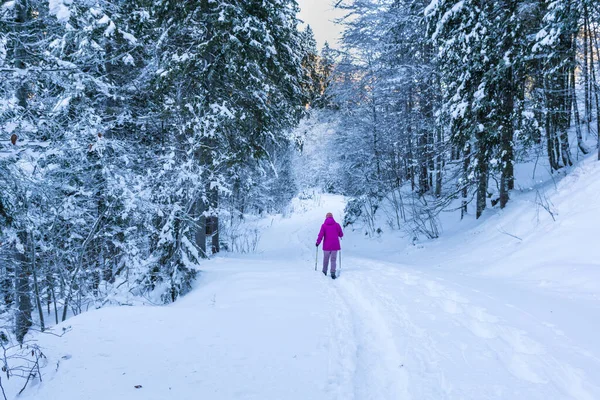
(138, 138)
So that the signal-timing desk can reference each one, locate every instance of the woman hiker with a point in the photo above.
(330, 234)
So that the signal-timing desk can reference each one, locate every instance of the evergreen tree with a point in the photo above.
(326, 66)
(230, 76)
(312, 79)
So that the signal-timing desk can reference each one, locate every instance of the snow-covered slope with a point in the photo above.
(513, 315)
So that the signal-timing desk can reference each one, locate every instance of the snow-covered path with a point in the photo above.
(449, 344)
(267, 326)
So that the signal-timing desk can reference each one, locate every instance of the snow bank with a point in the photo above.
(544, 239)
(557, 235)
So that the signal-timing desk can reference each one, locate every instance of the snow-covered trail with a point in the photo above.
(267, 326)
(404, 332)
(450, 345)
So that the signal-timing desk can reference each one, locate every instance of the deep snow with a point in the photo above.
(504, 308)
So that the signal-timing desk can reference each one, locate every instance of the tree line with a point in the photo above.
(439, 99)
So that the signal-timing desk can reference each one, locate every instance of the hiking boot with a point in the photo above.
(324, 273)
(332, 276)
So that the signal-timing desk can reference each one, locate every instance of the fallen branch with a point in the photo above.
(509, 234)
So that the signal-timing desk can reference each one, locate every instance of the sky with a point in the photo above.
(319, 14)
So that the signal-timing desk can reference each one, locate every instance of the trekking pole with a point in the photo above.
(316, 258)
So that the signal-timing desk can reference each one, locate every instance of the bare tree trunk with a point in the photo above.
(585, 71)
(200, 229)
(465, 188)
(550, 125)
(23, 300)
(23, 312)
(482, 190)
(594, 39)
(580, 143)
(550, 138)
(22, 17)
(214, 227)
(214, 223)
(409, 159)
(423, 170)
(439, 163)
(36, 288)
(50, 287)
(376, 139)
(507, 134)
(565, 118)
(482, 170)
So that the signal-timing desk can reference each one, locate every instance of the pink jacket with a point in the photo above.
(332, 232)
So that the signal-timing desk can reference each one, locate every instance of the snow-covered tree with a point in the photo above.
(125, 127)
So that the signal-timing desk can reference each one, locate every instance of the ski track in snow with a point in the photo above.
(382, 331)
(378, 370)
(455, 329)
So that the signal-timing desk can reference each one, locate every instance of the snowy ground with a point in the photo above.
(509, 317)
